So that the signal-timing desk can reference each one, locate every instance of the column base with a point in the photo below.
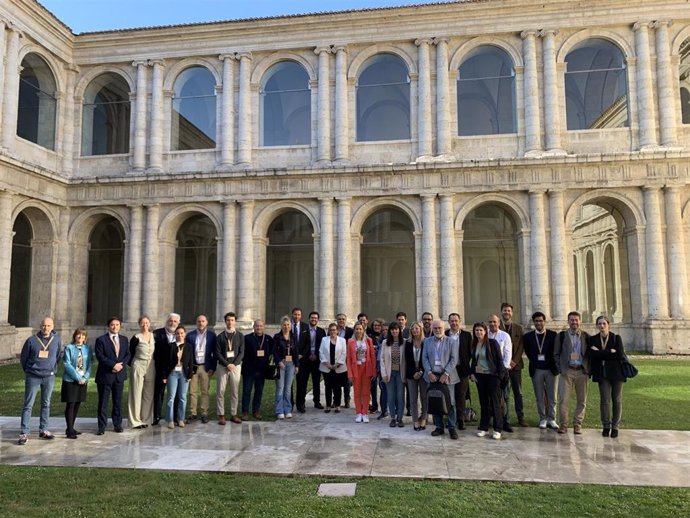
(555, 152)
(424, 158)
(671, 148)
(651, 148)
(9, 343)
(668, 336)
(534, 153)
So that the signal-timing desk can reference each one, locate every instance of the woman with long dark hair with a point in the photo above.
(393, 372)
(486, 368)
(333, 364)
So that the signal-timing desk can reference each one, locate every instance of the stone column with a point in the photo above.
(344, 285)
(342, 127)
(244, 123)
(449, 268)
(228, 276)
(323, 126)
(134, 280)
(62, 308)
(6, 236)
(156, 144)
(666, 90)
(560, 264)
(552, 110)
(139, 155)
(657, 292)
(326, 288)
(69, 120)
(227, 117)
(246, 287)
(675, 246)
(645, 88)
(3, 25)
(424, 99)
(531, 90)
(539, 267)
(11, 90)
(443, 132)
(429, 267)
(151, 284)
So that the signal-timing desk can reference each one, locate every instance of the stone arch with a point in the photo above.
(43, 222)
(171, 223)
(356, 64)
(268, 214)
(683, 35)
(266, 63)
(85, 80)
(461, 52)
(361, 215)
(633, 215)
(183, 65)
(84, 223)
(587, 34)
(53, 64)
(516, 211)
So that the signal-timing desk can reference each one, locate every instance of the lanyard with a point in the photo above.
(540, 346)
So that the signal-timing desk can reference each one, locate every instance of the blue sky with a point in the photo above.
(97, 15)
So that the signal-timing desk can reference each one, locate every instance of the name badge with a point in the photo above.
(541, 357)
(260, 354)
(80, 372)
(231, 354)
(574, 356)
(43, 354)
(288, 358)
(438, 363)
(178, 368)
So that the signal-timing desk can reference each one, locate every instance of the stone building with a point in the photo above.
(441, 157)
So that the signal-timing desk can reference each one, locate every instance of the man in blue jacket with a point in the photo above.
(40, 355)
(203, 340)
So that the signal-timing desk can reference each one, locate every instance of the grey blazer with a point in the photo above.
(449, 358)
(561, 351)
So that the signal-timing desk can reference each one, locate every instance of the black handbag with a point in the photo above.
(629, 370)
(271, 372)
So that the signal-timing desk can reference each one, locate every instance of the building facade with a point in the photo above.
(442, 157)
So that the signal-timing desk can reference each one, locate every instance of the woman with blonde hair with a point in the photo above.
(142, 379)
(361, 369)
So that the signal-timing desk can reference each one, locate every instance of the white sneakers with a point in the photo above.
(288, 415)
(542, 424)
(481, 433)
(171, 425)
(358, 419)
(365, 418)
(496, 435)
(281, 416)
(551, 423)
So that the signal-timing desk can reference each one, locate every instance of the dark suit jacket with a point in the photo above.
(105, 353)
(304, 345)
(187, 360)
(251, 362)
(303, 326)
(349, 332)
(562, 351)
(411, 368)
(516, 332)
(464, 353)
(532, 351)
(161, 352)
(606, 365)
(210, 362)
(222, 348)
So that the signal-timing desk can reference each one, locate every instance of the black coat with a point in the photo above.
(187, 360)
(532, 351)
(604, 364)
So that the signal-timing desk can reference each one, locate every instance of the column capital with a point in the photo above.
(534, 192)
(72, 67)
(157, 62)
(671, 188)
(328, 199)
(328, 49)
(650, 188)
(244, 55)
(12, 27)
(556, 191)
(140, 63)
(543, 33)
(428, 197)
(421, 41)
(340, 48)
(232, 56)
(529, 33)
(439, 40)
(637, 26)
(246, 203)
(661, 23)
(447, 196)
(343, 199)
(228, 202)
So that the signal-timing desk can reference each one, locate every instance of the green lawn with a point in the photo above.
(650, 401)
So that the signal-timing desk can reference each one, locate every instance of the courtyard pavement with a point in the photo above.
(316, 443)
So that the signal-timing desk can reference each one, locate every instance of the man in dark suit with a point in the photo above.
(112, 352)
(298, 327)
(308, 345)
(162, 339)
(462, 387)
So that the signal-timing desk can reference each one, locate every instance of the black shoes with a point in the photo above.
(100, 432)
(118, 429)
(508, 428)
(614, 433)
(318, 406)
(437, 432)
(393, 423)
(453, 434)
(605, 432)
(383, 415)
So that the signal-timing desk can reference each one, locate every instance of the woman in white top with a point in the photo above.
(333, 357)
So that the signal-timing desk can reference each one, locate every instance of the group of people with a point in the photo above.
(391, 367)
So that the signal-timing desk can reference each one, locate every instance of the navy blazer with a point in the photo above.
(105, 353)
(161, 352)
(210, 362)
(532, 351)
(304, 345)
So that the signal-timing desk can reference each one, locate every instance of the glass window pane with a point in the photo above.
(194, 110)
(106, 116)
(37, 102)
(685, 81)
(286, 105)
(106, 270)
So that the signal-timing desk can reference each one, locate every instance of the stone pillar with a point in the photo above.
(443, 133)
(227, 117)
(151, 284)
(429, 268)
(539, 267)
(246, 287)
(326, 288)
(62, 309)
(139, 155)
(134, 280)
(156, 145)
(3, 24)
(6, 236)
(552, 110)
(69, 121)
(531, 90)
(560, 264)
(344, 284)
(244, 123)
(666, 89)
(449, 269)
(342, 127)
(645, 88)
(424, 99)
(675, 246)
(323, 126)
(657, 292)
(11, 90)
(228, 276)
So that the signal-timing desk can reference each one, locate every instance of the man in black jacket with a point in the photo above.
(308, 346)
(464, 340)
(539, 345)
(162, 338)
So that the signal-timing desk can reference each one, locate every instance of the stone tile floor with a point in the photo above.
(316, 443)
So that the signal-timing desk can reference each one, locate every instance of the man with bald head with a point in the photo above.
(506, 346)
(162, 339)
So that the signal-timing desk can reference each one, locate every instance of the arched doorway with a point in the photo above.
(387, 262)
(289, 265)
(20, 272)
(106, 270)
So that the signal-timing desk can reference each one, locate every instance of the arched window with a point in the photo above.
(289, 265)
(685, 80)
(387, 264)
(37, 102)
(20, 272)
(383, 99)
(486, 93)
(286, 105)
(105, 116)
(194, 110)
(106, 271)
(596, 86)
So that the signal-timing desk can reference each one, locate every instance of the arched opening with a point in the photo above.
(37, 102)
(196, 260)
(383, 99)
(106, 116)
(684, 75)
(194, 110)
(286, 105)
(20, 272)
(387, 262)
(106, 271)
(490, 262)
(486, 93)
(289, 265)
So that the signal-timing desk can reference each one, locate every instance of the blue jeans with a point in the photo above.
(31, 386)
(177, 385)
(249, 380)
(284, 389)
(396, 396)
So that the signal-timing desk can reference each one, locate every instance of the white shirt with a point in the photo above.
(506, 345)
